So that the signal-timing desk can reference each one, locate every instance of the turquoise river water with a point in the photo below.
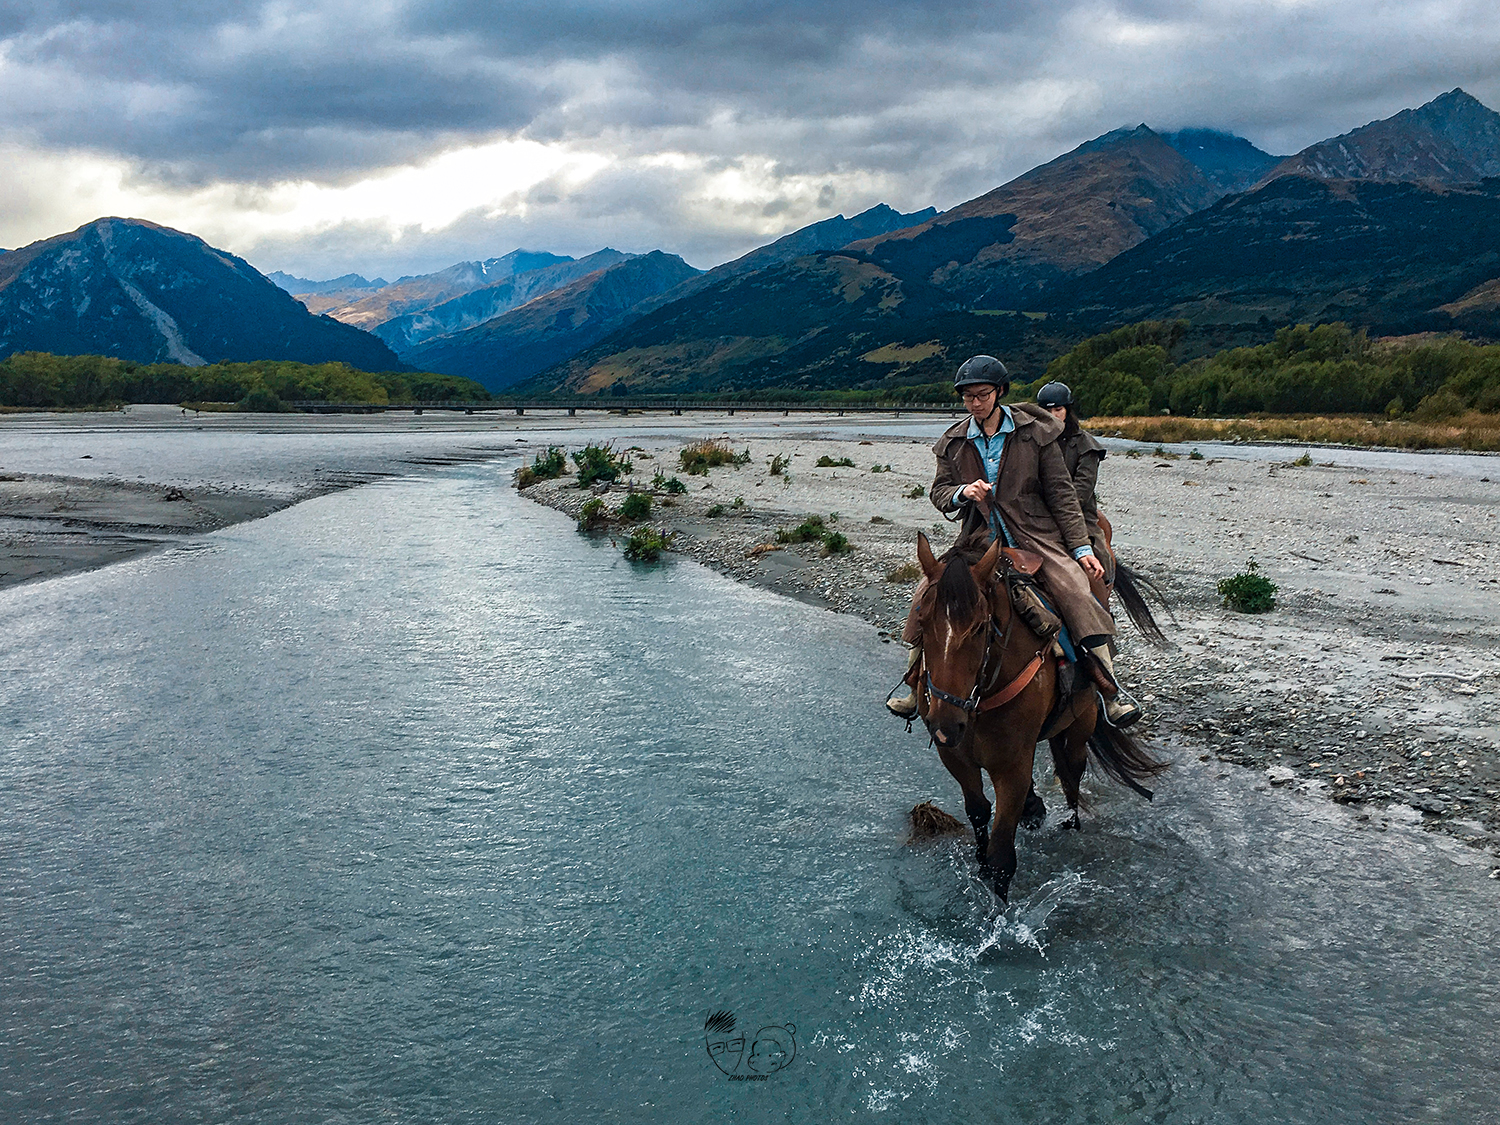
(411, 804)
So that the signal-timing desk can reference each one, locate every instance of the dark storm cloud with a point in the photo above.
(712, 125)
(261, 91)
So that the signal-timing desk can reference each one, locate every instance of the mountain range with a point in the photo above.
(1392, 226)
(134, 290)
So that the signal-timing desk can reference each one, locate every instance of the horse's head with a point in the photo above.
(955, 614)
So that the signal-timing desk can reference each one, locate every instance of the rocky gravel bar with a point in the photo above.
(1371, 682)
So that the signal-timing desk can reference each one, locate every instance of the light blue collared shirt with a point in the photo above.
(991, 449)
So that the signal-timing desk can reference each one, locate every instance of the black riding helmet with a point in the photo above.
(1054, 394)
(983, 370)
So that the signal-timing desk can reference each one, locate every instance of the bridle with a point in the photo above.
(976, 702)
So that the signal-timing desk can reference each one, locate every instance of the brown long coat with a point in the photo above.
(1082, 452)
(1038, 503)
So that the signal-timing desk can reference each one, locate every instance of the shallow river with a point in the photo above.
(411, 804)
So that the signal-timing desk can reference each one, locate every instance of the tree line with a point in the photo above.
(1322, 369)
(40, 379)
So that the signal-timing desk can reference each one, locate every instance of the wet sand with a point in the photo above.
(1371, 682)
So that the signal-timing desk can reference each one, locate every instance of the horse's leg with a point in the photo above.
(1012, 781)
(1034, 811)
(1070, 751)
(976, 806)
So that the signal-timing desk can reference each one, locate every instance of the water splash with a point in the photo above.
(1022, 922)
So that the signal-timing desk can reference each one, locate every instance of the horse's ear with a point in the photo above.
(984, 570)
(926, 558)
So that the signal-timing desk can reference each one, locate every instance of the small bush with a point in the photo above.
(916, 493)
(809, 530)
(598, 462)
(738, 502)
(879, 519)
(673, 487)
(550, 465)
(544, 466)
(1132, 453)
(715, 511)
(906, 572)
(636, 507)
(880, 468)
(647, 543)
(1249, 591)
(826, 462)
(1304, 461)
(592, 515)
(701, 456)
(836, 543)
(262, 401)
(779, 464)
(1195, 456)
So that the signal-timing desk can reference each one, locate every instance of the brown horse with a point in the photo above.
(988, 693)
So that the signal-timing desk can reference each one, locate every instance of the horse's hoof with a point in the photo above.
(1072, 823)
(1033, 812)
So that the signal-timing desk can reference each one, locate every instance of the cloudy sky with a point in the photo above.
(398, 136)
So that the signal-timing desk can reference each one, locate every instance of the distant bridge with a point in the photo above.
(631, 406)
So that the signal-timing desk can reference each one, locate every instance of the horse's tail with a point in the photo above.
(1132, 588)
(1122, 758)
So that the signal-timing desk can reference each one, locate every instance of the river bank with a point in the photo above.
(1370, 683)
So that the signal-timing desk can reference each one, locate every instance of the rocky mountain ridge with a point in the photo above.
(1062, 219)
(549, 329)
(135, 290)
(1453, 139)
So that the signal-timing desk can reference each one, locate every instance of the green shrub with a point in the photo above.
(916, 493)
(550, 465)
(906, 572)
(673, 487)
(880, 468)
(1304, 461)
(636, 507)
(715, 511)
(701, 456)
(738, 502)
(1249, 591)
(826, 462)
(779, 464)
(836, 543)
(646, 544)
(598, 462)
(808, 531)
(592, 515)
(1195, 456)
(544, 466)
(261, 401)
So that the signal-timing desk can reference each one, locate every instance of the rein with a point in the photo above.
(977, 704)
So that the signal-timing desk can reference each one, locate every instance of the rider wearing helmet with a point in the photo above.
(1002, 473)
(1082, 453)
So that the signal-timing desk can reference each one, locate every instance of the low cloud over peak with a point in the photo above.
(335, 136)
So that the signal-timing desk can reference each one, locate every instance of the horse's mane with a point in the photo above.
(957, 592)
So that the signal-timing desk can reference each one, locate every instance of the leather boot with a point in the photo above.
(905, 707)
(1121, 713)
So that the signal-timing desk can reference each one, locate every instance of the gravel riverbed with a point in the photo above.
(1371, 682)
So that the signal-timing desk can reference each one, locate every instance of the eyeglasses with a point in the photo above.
(977, 396)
